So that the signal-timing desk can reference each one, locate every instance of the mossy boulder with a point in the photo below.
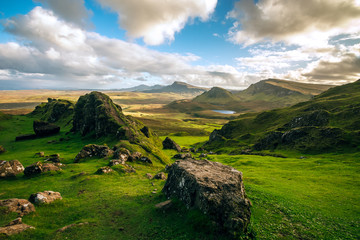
(54, 110)
(43, 129)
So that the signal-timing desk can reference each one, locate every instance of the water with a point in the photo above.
(224, 111)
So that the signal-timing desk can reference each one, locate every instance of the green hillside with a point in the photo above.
(216, 96)
(328, 122)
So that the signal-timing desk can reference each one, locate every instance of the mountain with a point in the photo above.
(216, 96)
(264, 95)
(178, 87)
(141, 88)
(326, 123)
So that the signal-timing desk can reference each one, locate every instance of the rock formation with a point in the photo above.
(54, 110)
(168, 143)
(44, 197)
(43, 129)
(20, 206)
(93, 150)
(217, 190)
(104, 170)
(38, 167)
(14, 227)
(10, 168)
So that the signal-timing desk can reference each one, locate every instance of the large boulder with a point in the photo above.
(93, 150)
(45, 197)
(10, 168)
(14, 227)
(217, 190)
(22, 137)
(43, 129)
(122, 154)
(38, 167)
(20, 206)
(168, 143)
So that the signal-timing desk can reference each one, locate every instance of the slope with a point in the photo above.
(178, 87)
(216, 96)
(328, 122)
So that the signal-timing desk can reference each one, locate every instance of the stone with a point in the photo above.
(182, 156)
(164, 205)
(43, 129)
(20, 206)
(93, 150)
(54, 158)
(217, 190)
(114, 162)
(54, 110)
(149, 176)
(25, 137)
(14, 227)
(63, 229)
(38, 167)
(10, 168)
(104, 170)
(145, 130)
(47, 167)
(145, 160)
(168, 143)
(160, 176)
(184, 149)
(314, 118)
(2, 149)
(135, 157)
(203, 155)
(122, 154)
(39, 154)
(44, 197)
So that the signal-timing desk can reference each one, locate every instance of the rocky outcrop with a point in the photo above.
(14, 227)
(38, 167)
(44, 197)
(122, 154)
(10, 168)
(134, 157)
(54, 158)
(93, 150)
(20, 206)
(104, 170)
(314, 118)
(54, 110)
(43, 129)
(182, 156)
(160, 176)
(217, 190)
(168, 143)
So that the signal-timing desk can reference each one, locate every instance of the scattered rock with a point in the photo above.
(135, 157)
(10, 168)
(164, 205)
(40, 154)
(2, 149)
(104, 170)
(21, 206)
(63, 229)
(149, 176)
(182, 156)
(54, 158)
(93, 150)
(145, 160)
(184, 149)
(38, 167)
(122, 154)
(160, 175)
(129, 169)
(25, 137)
(203, 155)
(46, 167)
(14, 227)
(168, 143)
(217, 190)
(43, 129)
(114, 162)
(44, 197)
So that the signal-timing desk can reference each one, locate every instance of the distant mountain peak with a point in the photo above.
(178, 87)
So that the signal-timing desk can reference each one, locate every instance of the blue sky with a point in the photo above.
(228, 43)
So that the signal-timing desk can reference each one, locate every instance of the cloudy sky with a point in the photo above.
(228, 43)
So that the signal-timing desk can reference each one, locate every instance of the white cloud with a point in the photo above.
(156, 21)
(306, 22)
(73, 11)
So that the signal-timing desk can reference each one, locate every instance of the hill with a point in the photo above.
(327, 122)
(264, 95)
(178, 87)
(141, 88)
(216, 96)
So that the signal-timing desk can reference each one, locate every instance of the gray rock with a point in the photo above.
(45, 197)
(93, 150)
(14, 227)
(40, 154)
(104, 170)
(10, 168)
(54, 158)
(182, 156)
(149, 176)
(20, 206)
(122, 154)
(38, 167)
(168, 143)
(217, 190)
(160, 176)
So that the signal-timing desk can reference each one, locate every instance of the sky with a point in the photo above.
(110, 44)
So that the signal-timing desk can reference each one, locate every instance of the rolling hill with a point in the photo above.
(328, 122)
(264, 95)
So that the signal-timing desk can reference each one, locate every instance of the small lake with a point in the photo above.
(224, 111)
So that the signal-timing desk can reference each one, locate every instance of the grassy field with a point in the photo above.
(316, 197)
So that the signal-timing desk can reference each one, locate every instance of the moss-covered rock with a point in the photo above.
(54, 110)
